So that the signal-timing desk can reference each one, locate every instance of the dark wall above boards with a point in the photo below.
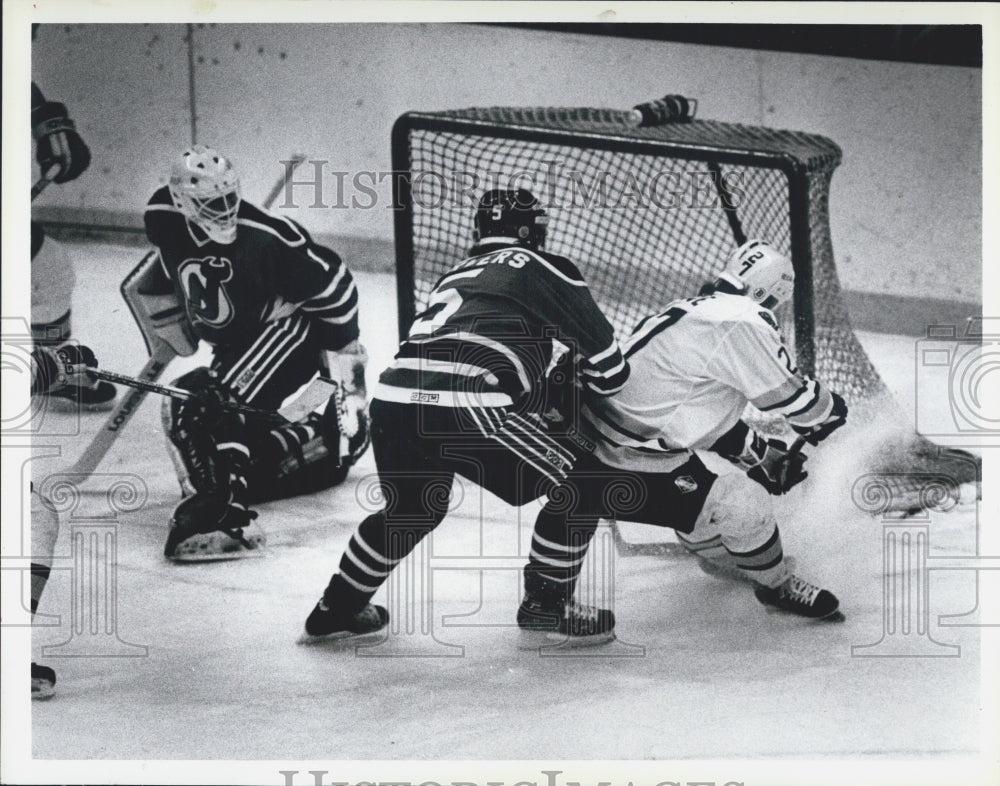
(958, 45)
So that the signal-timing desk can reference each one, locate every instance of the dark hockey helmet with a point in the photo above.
(510, 215)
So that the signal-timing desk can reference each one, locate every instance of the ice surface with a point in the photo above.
(700, 671)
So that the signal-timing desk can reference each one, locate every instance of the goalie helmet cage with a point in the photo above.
(648, 214)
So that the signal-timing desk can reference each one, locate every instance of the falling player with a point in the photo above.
(53, 368)
(506, 335)
(64, 156)
(277, 308)
(695, 366)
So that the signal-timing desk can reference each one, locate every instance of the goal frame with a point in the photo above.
(792, 167)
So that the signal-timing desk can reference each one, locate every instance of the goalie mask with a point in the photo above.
(512, 216)
(204, 186)
(761, 272)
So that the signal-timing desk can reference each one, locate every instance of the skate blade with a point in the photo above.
(226, 557)
(66, 407)
(536, 639)
(342, 639)
(216, 547)
(834, 616)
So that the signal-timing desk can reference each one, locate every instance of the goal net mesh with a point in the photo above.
(648, 214)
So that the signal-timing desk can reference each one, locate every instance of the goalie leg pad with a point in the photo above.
(300, 458)
(196, 430)
(212, 521)
(176, 456)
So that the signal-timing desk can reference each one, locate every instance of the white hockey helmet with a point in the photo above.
(761, 272)
(205, 187)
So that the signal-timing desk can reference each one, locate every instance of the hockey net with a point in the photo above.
(649, 214)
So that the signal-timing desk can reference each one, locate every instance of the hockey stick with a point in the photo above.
(624, 548)
(160, 355)
(318, 391)
(122, 414)
(290, 167)
(728, 204)
(43, 182)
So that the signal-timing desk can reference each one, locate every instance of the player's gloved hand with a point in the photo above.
(66, 364)
(837, 417)
(208, 404)
(777, 468)
(58, 143)
(560, 400)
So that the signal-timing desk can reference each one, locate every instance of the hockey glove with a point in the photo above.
(777, 468)
(837, 417)
(61, 366)
(58, 143)
(557, 399)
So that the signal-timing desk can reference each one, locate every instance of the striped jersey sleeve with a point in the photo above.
(602, 366)
(753, 359)
(313, 280)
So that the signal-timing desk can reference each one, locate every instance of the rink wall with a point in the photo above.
(905, 206)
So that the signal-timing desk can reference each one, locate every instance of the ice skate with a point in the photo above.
(73, 398)
(328, 623)
(43, 682)
(800, 597)
(571, 624)
(208, 527)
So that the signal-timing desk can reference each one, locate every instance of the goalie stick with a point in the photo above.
(160, 354)
(666, 548)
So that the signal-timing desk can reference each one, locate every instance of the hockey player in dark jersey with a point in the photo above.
(277, 308)
(476, 389)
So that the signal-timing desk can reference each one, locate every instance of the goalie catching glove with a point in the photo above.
(767, 460)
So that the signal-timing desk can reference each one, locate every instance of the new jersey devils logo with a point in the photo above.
(207, 299)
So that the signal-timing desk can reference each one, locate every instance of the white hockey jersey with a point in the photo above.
(695, 366)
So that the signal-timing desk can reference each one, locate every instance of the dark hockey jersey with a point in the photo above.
(497, 327)
(271, 270)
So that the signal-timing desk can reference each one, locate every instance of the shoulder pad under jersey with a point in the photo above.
(161, 198)
(285, 230)
(563, 266)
